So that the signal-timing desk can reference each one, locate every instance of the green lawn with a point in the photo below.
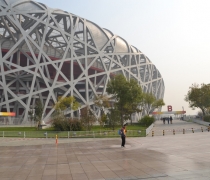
(18, 129)
(94, 128)
(128, 127)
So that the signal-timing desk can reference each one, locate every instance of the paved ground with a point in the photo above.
(178, 126)
(172, 157)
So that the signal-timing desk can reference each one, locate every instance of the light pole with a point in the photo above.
(183, 113)
(33, 114)
(79, 113)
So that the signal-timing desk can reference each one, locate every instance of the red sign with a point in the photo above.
(169, 108)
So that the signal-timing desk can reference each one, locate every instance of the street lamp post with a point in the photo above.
(33, 115)
(183, 113)
(79, 113)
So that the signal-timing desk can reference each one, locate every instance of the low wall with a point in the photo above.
(200, 122)
(149, 129)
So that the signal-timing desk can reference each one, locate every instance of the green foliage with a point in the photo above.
(136, 96)
(119, 87)
(18, 129)
(199, 97)
(206, 118)
(65, 103)
(103, 119)
(147, 121)
(61, 123)
(150, 102)
(38, 113)
(102, 101)
(113, 118)
(158, 103)
(127, 96)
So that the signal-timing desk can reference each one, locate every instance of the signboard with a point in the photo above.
(169, 112)
(169, 108)
(7, 113)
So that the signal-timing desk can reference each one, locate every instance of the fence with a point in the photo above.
(70, 134)
(179, 131)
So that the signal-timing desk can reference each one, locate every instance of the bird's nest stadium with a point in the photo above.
(46, 53)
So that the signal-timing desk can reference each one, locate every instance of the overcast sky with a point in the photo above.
(173, 34)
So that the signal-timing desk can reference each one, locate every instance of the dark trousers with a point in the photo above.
(123, 140)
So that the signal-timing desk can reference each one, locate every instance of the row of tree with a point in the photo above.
(124, 98)
(128, 98)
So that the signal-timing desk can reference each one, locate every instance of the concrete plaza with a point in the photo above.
(170, 157)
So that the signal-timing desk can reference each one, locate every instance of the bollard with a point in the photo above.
(56, 139)
(192, 130)
(183, 131)
(163, 132)
(152, 133)
(201, 129)
(173, 132)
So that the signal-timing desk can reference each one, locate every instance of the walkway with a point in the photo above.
(174, 157)
(178, 126)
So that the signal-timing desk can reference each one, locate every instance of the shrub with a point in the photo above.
(75, 125)
(206, 118)
(87, 118)
(146, 121)
(62, 123)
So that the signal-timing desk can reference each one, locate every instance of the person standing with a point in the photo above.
(171, 119)
(164, 119)
(123, 135)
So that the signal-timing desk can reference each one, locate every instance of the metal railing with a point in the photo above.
(70, 134)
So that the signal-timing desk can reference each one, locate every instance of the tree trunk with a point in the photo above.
(203, 111)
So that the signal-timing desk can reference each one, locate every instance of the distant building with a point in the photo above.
(46, 53)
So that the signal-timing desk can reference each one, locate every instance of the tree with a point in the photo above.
(119, 88)
(113, 118)
(60, 121)
(150, 102)
(200, 114)
(136, 97)
(199, 97)
(31, 114)
(102, 101)
(38, 113)
(87, 117)
(146, 121)
(64, 103)
(158, 103)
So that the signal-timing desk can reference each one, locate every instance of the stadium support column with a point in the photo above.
(86, 63)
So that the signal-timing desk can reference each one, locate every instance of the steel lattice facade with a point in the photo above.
(46, 53)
